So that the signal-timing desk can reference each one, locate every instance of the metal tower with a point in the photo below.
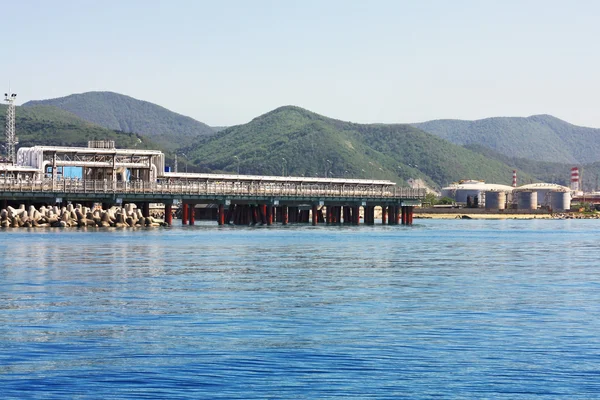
(11, 139)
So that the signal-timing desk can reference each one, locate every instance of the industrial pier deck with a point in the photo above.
(112, 176)
(249, 199)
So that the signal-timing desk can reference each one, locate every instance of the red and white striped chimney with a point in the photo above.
(575, 179)
(514, 178)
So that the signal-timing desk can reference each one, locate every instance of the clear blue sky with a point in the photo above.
(226, 62)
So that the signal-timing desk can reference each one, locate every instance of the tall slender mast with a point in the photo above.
(11, 139)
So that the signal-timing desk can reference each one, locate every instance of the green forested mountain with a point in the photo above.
(47, 125)
(123, 113)
(539, 137)
(294, 141)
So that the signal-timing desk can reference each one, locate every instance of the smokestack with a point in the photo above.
(575, 179)
(514, 178)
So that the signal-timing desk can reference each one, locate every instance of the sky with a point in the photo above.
(227, 62)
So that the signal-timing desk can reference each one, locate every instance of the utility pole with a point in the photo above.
(11, 139)
(175, 164)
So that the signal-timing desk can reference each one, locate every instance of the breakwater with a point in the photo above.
(77, 215)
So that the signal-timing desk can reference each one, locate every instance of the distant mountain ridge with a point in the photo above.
(124, 113)
(538, 137)
(293, 141)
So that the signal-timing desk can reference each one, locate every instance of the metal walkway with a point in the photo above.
(208, 191)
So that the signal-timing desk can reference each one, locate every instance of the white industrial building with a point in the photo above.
(463, 190)
(548, 195)
(526, 197)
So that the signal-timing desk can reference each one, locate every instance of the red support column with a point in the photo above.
(184, 214)
(314, 214)
(221, 215)
(410, 215)
(356, 215)
(169, 214)
(263, 213)
(192, 213)
(284, 215)
(383, 215)
(269, 215)
(404, 221)
(397, 214)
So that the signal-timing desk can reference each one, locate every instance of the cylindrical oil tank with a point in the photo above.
(495, 200)
(527, 200)
(560, 201)
(461, 195)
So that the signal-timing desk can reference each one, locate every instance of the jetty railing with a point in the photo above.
(166, 187)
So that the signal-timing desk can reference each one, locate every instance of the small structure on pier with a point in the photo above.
(99, 161)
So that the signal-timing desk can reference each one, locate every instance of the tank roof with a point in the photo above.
(544, 186)
(482, 186)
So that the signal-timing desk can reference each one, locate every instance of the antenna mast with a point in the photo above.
(11, 139)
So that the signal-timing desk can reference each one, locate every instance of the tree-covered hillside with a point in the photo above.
(539, 137)
(119, 112)
(294, 141)
(46, 125)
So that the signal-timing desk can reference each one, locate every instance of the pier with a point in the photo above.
(113, 176)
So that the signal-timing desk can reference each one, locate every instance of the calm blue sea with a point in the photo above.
(444, 309)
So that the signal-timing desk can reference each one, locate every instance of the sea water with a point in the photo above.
(447, 309)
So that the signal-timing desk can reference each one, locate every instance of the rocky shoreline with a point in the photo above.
(76, 216)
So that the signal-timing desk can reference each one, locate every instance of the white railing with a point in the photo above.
(267, 189)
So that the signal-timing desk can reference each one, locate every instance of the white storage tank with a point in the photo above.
(527, 200)
(462, 190)
(560, 201)
(544, 191)
(495, 200)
